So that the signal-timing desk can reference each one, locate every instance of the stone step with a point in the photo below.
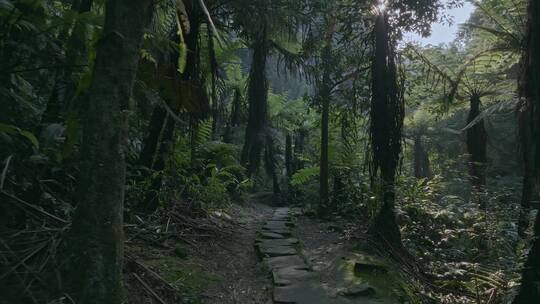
(275, 225)
(270, 235)
(285, 261)
(284, 232)
(289, 275)
(275, 251)
(278, 242)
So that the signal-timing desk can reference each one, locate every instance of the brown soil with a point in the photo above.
(243, 278)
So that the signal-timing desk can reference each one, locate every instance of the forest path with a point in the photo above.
(319, 267)
(242, 279)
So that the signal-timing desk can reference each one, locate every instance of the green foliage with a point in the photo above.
(304, 176)
(442, 227)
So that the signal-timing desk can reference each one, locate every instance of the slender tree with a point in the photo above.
(96, 239)
(387, 113)
(422, 168)
(325, 87)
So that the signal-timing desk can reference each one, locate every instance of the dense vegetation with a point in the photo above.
(122, 115)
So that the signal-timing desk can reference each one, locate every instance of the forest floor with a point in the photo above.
(206, 271)
(226, 270)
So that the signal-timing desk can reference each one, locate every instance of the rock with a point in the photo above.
(278, 242)
(270, 225)
(285, 261)
(282, 210)
(284, 232)
(363, 290)
(270, 235)
(369, 267)
(288, 275)
(274, 251)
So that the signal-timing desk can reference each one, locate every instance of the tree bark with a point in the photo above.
(150, 143)
(387, 113)
(234, 120)
(422, 168)
(325, 92)
(529, 117)
(476, 146)
(530, 91)
(289, 155)
(96, 237)
(258, 105)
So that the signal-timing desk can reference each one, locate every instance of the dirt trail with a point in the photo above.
(241, 278)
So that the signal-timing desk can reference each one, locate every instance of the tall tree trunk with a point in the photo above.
(271, 164)
(289, 155)
(529, 117)
(234, 120)
(299, 144)
(150, 143)
(214, 74)
(96, 238)
(325, 92)
(476, 145)
(76, 56)
(530, 127)
(258, 105)
(387, 113)
(422, 168)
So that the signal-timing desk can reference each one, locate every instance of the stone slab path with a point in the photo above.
(294, 281)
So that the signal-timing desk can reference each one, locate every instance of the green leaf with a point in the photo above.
(13, 130)
(31, 137)
(305, 175)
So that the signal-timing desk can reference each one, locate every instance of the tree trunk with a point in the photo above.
(96, 238)
(299, 144)
(258, 105)
(529, 118)
(150, 143)
(476, 146)
(325, 92)
(530, 278)
(271, 164)
(422, 168)
(530, 90)
(213, 77)
(387, 113)
(288, 155)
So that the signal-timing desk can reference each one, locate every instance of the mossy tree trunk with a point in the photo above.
(96, 238)
(387, 113)
(530, 90)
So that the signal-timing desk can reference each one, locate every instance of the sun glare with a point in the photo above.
(381, 7)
